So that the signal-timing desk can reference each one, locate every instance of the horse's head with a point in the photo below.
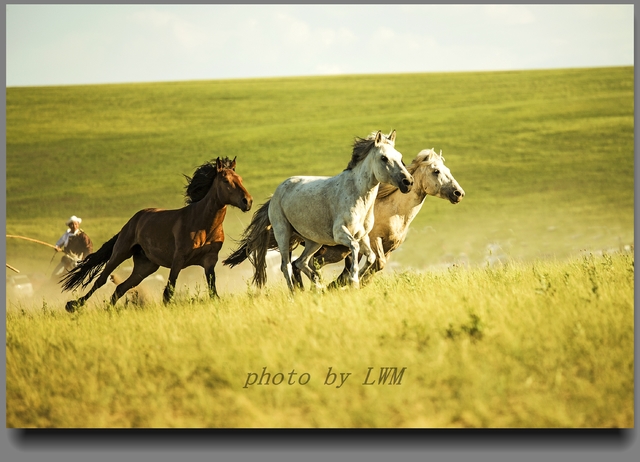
(229, 186)
(436, 178)
(387, 162)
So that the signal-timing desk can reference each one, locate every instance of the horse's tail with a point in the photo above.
(89, 267)
(255, 241)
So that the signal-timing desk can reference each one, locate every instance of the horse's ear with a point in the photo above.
(392, 137)
(218, 165)
(378, 138)
(233, 163)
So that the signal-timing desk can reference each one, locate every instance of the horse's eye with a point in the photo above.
(384, 159)
(437, 172)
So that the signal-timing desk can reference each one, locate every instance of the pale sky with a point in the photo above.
(87, 44)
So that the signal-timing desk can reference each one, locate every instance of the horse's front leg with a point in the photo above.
(211, 282)
(343, 236)
(209, 271)
(170, 289)
(369, 254)
(378, 265)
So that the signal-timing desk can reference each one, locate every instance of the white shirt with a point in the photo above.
(64, 240)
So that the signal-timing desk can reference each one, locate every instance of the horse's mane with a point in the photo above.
(362, 146)
(198, 186)
(428, 155)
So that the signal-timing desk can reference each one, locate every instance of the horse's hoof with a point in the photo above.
(71, 306)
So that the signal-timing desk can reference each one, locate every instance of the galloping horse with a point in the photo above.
(334, 210)
(191, 235)
(393, 213)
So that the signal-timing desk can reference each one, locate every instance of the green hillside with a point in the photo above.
(545, 157)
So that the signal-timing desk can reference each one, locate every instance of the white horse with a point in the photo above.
(334, 210)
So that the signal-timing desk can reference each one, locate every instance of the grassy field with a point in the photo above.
(523, 345)
(512, 309)
(545, 157)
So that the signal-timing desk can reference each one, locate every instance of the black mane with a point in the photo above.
(361, 147)
(198, 186)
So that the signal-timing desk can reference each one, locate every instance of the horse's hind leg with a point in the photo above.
(378, 265)
(142, 267)
(334, 254)
(297, 275)
(117, 257)
(282, 232)
(302, 262)
(285, 265)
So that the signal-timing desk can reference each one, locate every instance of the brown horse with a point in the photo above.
(175, 239)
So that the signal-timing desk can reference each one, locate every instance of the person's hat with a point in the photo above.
(74, 218)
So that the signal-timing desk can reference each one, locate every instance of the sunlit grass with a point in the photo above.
(541, 344)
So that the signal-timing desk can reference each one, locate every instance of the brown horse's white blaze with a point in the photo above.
(191, 235)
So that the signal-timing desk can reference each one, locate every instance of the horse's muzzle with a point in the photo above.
(405, 184)
(247, 202)
(456, 195)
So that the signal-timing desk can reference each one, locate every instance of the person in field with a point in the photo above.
(75, 244)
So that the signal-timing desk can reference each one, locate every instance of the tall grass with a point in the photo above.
(542, 344)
